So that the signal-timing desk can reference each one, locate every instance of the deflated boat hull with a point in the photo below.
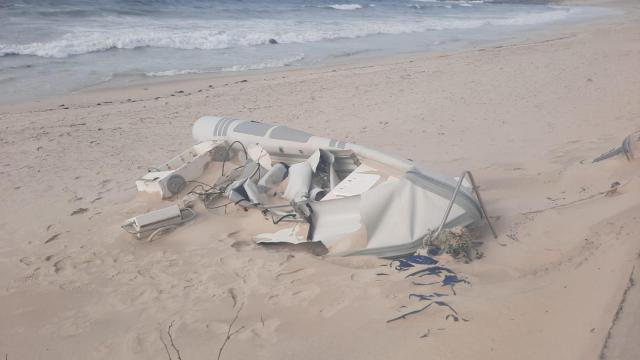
(388, 212)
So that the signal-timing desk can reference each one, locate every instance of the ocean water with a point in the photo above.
(52, 47)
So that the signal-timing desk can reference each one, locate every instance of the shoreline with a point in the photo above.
(537, 34)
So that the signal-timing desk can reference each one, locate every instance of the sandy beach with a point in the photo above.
(526, 117)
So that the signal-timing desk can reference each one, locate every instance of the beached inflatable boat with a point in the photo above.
(353, 199)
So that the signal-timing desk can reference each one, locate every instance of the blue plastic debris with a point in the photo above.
(412, 260)
(431, 270)
(439, 303)
(421, 260)
(450, 280)
(447, 277)
(428, 296)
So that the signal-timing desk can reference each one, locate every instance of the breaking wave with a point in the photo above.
(345, 6)
(267, 64)
(273, 63)
(204, 36)
(174, 72)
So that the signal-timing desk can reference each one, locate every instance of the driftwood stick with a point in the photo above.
(173, 345)
(166, 348)
(229, 332)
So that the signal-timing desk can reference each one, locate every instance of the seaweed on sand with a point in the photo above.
(457, 242)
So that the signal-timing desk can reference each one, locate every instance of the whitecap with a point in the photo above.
(174, 72)
(345, 6)
(273, 63)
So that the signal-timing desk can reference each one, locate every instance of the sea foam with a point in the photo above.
(273, 63)
(174, 72)
(345, 6)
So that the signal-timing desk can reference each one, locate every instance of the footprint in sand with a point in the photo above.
(293, 276)
(145, 295)
(136, 342)
(243, 245)
(28, 260)
(234, 235)
(69, 323)
(295, 297)
(33, 275)
(334, 308)
(262, 332)
(61, 266)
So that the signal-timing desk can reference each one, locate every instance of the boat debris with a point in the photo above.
(630, 146)
(171, 177)
(157, 221)
(352, 199)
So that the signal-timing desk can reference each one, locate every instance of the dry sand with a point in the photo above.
(526, 118)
